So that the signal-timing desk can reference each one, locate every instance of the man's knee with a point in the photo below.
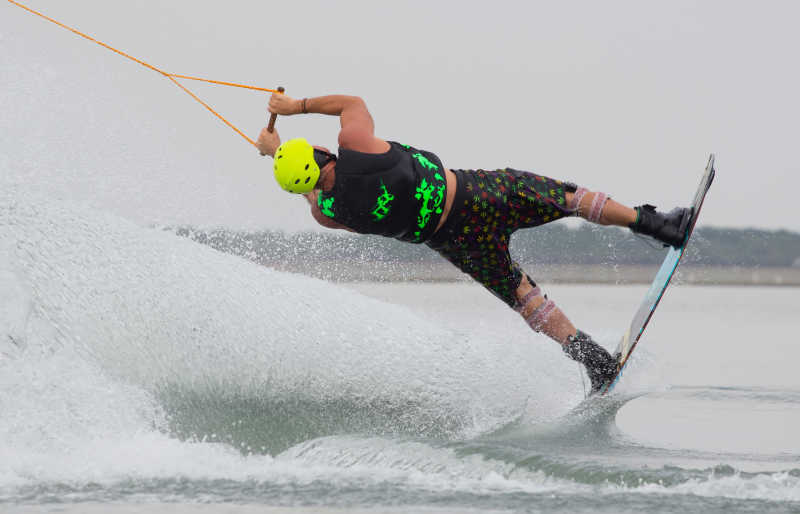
(587, 204)
(533, 305)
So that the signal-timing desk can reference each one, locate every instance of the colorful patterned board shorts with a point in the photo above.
(488, 207)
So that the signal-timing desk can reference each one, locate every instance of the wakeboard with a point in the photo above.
(660, 282)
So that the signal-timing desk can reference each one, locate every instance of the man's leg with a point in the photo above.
(599, 208)
(478, 245)
(542, 315)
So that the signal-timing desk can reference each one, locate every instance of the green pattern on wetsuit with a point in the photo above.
(424, 162)
(432, 197)
(325, 205)
(382, 204)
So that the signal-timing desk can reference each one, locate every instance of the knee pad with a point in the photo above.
(576, 199)
(598, 203)
(536, 319)
(595, 210)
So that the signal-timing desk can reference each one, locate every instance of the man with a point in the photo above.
(467, 216)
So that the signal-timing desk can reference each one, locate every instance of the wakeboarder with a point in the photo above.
(374, 186)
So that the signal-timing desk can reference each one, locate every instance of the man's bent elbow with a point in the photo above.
(357, 101)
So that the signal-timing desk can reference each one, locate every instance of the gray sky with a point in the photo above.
(624, 97)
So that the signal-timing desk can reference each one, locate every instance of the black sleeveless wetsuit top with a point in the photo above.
(400, 193)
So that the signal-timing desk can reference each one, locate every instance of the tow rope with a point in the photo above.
(171, 76)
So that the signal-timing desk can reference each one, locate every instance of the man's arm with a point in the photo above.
(358, 128)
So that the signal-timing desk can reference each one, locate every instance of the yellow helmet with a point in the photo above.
(295, 168)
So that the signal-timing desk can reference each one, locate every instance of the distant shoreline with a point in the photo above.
(550, 273)
(551, 254)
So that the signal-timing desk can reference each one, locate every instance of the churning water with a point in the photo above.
(139, 367)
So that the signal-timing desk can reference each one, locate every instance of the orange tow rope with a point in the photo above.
(170, 76)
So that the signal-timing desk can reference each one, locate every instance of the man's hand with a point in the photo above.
(268, 142)
(284, 105)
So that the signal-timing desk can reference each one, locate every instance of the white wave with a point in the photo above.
(111, 312)
(778, 487)
(419, 465)
(422, 466)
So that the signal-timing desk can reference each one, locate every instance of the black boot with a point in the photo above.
(600, 365)
(669, 228)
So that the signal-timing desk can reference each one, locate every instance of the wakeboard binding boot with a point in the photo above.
(668, 228)
(600, 365)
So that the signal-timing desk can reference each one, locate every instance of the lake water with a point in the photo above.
(141, 372)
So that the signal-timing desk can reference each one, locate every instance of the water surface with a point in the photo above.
(139, 368)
